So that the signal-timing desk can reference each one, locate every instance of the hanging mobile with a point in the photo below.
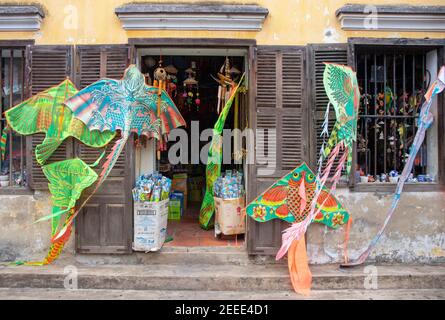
(160, 77)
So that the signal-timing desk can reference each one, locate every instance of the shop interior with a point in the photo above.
(194, 84)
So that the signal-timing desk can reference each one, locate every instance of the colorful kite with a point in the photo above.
(425, 120)
(46, 113)
(341, 87)
(290, 199)
(128, 105)
(67, 180)
(213, 169)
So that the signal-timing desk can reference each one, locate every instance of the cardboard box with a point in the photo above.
(229, 217)
(179, 183)
(150, 225)
(176, 206)
(174, 209)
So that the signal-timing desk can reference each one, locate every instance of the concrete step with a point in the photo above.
(85, 294)
(250, 278)
(177, 256)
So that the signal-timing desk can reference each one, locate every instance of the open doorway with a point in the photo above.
(192, 85)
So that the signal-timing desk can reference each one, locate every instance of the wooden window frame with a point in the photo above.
(19, 45)
(439, 45)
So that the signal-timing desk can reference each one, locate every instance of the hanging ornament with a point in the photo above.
(191, 84)
(160, 82)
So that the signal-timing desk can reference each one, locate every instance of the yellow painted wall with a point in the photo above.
(290, 22)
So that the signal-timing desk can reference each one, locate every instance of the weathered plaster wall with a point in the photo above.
(416, 233)
(20, 239)
(290, 22)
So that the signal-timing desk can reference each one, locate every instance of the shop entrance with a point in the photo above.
(193, 86)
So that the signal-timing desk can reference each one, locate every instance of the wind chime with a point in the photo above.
(160, 82)
(225, 80)
(191, 88)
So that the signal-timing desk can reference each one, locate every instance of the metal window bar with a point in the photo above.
(376, 78)
(12, 71)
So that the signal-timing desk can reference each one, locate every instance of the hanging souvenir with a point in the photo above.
(191, 89)
(224, 80)
(160, 82)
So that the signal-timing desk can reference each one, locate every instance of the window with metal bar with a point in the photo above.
(12, 77)
(392, 82)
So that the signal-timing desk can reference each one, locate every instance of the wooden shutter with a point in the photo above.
(280, 111)
(105, 223)
(318, 54)
(47, 66)
(95, 62)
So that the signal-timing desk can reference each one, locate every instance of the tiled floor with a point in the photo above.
(187, 233)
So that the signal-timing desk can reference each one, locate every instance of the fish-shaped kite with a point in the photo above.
(290, 199)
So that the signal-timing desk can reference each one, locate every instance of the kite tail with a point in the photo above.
(3, 140)
(46, 149)
(294, 233)
(300, 274)
(346, 241)
(106, 169)
(337, 175)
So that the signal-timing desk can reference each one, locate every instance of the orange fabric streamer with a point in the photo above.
(300, 274)
(345, 243)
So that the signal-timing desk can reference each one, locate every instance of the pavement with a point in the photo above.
(88, 294)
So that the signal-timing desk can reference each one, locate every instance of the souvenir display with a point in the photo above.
(229, 185)
(425, 120)
(151, 188)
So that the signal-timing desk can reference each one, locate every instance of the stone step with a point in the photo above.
(87, 294)
(250, 278)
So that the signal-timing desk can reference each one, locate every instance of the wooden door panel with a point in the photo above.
(88, 220)
(115, 214)
(109, 230)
